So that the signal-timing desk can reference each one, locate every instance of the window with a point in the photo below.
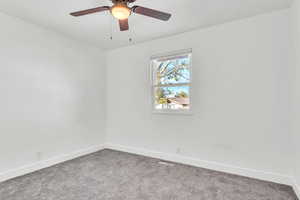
(171, 82)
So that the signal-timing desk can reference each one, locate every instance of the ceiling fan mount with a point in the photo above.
(122, 11)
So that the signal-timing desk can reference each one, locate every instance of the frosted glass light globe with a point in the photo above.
(120, 11)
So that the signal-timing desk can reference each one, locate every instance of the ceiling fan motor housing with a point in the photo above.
(122, 1)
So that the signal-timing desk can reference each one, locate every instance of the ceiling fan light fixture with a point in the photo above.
(120, 11)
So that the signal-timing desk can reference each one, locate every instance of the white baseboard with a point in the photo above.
(296, 188)
(252, 173)
(47, 163)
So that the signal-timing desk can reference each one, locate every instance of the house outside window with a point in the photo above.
(171, 82)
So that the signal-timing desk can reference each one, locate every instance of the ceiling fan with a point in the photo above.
(122, 11)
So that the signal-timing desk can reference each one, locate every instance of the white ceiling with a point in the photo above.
(96, 28)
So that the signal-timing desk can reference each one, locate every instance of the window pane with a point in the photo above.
(171, 71)
(172, 98)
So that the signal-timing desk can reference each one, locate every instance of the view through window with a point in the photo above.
(171, 78)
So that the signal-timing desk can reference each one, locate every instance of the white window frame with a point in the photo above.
(169, 55)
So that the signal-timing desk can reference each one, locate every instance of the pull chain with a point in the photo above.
(130, 34)
(111, 28)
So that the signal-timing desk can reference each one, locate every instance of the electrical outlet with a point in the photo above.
(178, 150)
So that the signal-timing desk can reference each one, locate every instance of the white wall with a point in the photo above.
(240, 96)
(52, 94)
(295, 92)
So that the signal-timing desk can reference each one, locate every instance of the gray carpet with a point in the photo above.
(112, 175)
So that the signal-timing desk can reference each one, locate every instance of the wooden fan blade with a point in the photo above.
(151, 13)
(90, 11)
(124, 26)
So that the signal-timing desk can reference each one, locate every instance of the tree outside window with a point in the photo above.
(171, 77)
